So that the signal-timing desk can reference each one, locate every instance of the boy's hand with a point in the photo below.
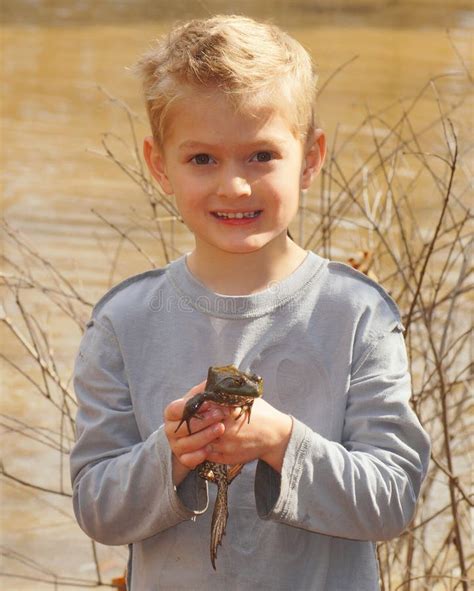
(265, 437)
(191, 450)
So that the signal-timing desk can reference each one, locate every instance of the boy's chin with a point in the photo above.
(249, 246)
(241, 249)
(243, 245)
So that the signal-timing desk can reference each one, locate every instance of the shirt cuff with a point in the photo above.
(273, 490)
(190, 497)
(192, 493)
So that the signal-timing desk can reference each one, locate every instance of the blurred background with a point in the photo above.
(80, 214)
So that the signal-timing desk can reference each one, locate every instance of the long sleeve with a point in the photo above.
(366, 486)
(122, 485)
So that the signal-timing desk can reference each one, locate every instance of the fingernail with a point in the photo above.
(217, 428)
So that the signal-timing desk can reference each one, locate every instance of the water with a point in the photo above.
(56, 55)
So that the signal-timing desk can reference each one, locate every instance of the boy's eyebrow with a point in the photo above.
(267, 141)
(191, 144)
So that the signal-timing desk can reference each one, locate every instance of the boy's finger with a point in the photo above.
(215, 456)
(191, 460)
(197, 424)
(198, 440)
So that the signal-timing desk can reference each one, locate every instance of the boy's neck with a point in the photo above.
(243, 274)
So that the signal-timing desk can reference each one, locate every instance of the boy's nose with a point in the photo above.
(233, 185)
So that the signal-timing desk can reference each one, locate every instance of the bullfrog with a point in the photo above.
(227, 386)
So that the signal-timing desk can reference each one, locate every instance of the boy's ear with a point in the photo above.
(156, 164)
(315, 153)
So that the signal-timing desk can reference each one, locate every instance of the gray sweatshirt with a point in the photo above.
(328, 343)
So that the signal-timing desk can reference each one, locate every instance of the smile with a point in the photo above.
(236, 215)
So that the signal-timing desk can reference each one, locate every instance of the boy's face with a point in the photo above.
(236, 177)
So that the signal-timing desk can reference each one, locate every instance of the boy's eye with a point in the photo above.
(262, 157)
(201, 159)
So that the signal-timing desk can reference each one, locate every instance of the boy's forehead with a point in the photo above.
(210, 113)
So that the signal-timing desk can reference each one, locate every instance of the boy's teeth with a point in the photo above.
(238, 215)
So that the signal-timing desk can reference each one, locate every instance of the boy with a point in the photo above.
(334, 457)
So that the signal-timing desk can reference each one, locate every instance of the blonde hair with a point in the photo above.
(253, 63)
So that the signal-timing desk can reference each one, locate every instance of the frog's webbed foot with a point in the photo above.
(191, 410)
(247, 409)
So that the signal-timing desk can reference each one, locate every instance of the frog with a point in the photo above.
(226, 386)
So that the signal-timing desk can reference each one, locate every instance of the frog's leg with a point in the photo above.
(191, 409)
(223, 477)
(233, 471)
(247, 409)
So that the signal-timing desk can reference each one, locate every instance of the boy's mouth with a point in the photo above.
(237, 215)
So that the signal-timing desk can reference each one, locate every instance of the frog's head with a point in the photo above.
(233, 381)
